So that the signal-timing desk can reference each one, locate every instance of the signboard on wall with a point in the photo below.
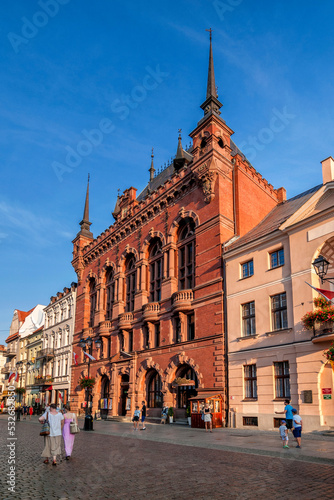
(110, 404)
(327, 396)
(326, 390)
(128, 404)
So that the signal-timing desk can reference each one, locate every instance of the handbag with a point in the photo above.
(74, 428)
(45, 431)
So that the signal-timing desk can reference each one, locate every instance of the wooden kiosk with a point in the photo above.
(197, 404)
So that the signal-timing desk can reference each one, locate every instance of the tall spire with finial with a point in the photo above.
(211, 86)
(211, 103)
(180, 159)
(85, 224)
(117, 207)
(152, 169)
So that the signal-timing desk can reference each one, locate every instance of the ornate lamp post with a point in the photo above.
(19, 367)
(321, 265)
(84, 343)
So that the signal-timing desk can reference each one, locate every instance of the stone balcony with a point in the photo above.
(151, 311)
(125, 320)
(323, 332)
(10, 352)
(104, 327)
(182, 300)
(47, 353)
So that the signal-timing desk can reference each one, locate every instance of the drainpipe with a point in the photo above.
(225, 336)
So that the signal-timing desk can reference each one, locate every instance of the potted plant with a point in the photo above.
(188, 415)
(87, 382)
(322, 316)
(170, 414)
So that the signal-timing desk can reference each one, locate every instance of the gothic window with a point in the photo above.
(121, 341)
(146, 335)
(190, 326)
(130, 284)
(92, 300)
(155, 269)
(157, 334)
(177, 324)
(130, 341)
(154, 386)
(110, 292)
(186, 255)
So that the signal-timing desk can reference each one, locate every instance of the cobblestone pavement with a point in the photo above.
(115, 463)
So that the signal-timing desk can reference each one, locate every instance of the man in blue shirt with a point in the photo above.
(288, 414)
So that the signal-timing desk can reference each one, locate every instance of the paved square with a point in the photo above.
(138, 465)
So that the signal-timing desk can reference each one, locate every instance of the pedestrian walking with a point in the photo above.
(67, 436)
(18, 413)
(283, 431)
(135, 419)
(297, 427)
(31, 411)
(52, 443)
(207, 417)
(288, 414)
(164, 415)
(25, 411)
(143, 415)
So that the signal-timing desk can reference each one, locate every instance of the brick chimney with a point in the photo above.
(327, 170)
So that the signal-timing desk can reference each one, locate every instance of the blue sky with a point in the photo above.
(67, 66)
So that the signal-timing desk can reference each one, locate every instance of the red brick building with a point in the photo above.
(151, 286)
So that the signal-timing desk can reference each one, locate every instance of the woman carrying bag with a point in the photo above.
(52, 442)
(70, 429)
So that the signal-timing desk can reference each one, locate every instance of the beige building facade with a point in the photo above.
(271, 355)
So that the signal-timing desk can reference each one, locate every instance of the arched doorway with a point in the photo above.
(104, 400)
(184, 389)
(124, 393)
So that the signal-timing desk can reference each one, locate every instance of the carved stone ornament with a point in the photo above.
(207, 178)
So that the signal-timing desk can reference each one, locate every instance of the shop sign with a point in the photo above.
(327, 390)
(327, 396)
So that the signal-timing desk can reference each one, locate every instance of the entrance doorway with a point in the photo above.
(104, 401)
(124, 393)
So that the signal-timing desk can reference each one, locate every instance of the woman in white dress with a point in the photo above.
(207, 417)
(52, 443)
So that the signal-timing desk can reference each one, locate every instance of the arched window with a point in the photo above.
(154, 386)
(155, 269)
(92, 300)
(130, 283)
(110, 292)
(121, 341)
(186, 255)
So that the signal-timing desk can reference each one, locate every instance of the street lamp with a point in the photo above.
(19, 367)
(84, 343)
(321, 265)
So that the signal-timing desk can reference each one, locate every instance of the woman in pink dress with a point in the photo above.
(67, 436)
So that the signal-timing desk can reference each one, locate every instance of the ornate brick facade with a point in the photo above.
(151, 286)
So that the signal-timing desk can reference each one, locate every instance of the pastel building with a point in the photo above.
(271, 355)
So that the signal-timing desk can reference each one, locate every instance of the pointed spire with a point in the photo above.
(152, 169)
(117, 207)
(179, 152)
(211, 103)
(180, 159)
(85, 224)
(211, 87)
